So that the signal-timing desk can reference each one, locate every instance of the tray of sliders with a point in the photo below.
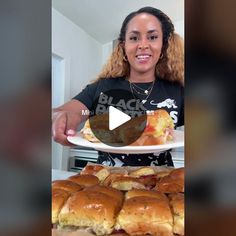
(119, 201)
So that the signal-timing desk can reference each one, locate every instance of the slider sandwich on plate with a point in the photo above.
(158, 130)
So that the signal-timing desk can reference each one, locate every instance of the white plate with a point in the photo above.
(177, 142)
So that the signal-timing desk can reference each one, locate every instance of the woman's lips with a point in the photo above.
(142, 58)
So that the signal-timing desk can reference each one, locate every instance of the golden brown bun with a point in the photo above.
(66, 185)
(177, 207)
(159, 128)
(162, 174)
(172, 183)
(147, 170)
(90, 209)
(99, 171)
(146, 193)
(110, 178)
(59, 197)
(145, 215)
(112, 192)
(84, 180)
(126, 183)
(177, 173)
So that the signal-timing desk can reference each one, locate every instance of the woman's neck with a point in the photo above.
(141, 78)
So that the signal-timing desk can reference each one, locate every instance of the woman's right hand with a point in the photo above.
(65, 121)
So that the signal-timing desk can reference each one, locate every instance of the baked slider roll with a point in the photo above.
(112, 192)
(84, 180)
(145, 193)
(159, 129)
(147, 170)
(177, 207)
(90, 209)
(59, 197)
(143, 215)
(99, 171)
(110, 178)
(126, 183)
(66, 185)
(172, 183)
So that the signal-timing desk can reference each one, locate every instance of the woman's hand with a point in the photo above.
(65, 121)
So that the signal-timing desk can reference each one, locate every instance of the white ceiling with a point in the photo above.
(102, 19)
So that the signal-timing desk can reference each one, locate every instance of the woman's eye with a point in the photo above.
(133, 38)
(153, 37)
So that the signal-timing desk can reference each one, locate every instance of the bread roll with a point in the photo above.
(145, 193)
(66, 185)
(90, 209)
(59, 197)
(99, 171)
(172, 183)
(159, 129)
(84, 180)
(111, 177)
(177, 207)
(126, 183)
(145, 215)
(147, 170)
(112, 192)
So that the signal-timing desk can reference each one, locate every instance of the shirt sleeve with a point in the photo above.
(87, 95)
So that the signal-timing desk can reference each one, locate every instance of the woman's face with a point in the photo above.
(143, 43)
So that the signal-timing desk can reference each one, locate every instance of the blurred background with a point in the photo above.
(25, 121)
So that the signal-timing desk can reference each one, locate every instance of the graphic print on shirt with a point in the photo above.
(169, 103)
(171, 106)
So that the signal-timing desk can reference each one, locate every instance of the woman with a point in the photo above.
(148, 61)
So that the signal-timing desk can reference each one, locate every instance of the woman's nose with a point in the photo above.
(143, 44)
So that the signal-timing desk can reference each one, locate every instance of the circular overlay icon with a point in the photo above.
(117, 118)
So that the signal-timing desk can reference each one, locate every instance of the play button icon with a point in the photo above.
(117, 118)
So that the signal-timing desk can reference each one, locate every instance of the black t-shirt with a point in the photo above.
(165, 95)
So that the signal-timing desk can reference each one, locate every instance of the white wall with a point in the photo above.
(81, 56)
(179, 27)
(82, 52)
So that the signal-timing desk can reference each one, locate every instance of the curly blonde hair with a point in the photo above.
(170, 65)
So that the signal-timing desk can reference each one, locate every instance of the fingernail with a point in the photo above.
(70, 132)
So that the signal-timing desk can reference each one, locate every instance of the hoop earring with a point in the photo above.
(161, 56)
(125, 58)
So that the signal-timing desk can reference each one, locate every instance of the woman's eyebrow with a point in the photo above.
(134, 32)
(152, 31)
(148, 32)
